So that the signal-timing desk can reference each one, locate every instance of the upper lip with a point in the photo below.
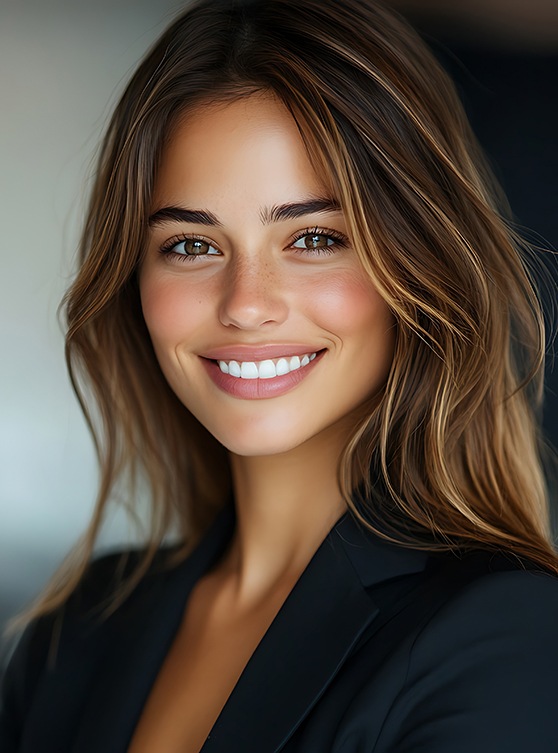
(258, 352)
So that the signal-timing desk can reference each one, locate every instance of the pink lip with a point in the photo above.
(258, 353)
(259, 389)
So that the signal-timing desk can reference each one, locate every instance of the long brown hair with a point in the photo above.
(448, 458)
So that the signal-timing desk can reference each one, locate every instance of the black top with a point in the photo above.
(378, 648)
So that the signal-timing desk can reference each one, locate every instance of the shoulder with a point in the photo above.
(482, 667)
(107, 575)
(484, 598)
(46, 635)
(484, 589)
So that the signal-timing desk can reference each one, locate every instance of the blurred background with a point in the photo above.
(63, 64)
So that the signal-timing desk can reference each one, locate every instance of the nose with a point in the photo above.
(253, 294)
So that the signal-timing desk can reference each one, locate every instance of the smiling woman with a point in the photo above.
(306, 326)
(232, 289)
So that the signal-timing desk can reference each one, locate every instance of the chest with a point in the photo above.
(203, 665)
(163, 673)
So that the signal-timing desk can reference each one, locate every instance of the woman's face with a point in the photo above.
(262, 319)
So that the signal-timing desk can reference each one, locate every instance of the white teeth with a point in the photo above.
(265, 369)
(248, 370)
(282, 367)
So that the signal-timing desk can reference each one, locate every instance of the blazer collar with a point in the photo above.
(312, 635)
(374, 559)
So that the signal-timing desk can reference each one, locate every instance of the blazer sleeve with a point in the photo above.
(19, 680)
(38, 644)
(483, 672)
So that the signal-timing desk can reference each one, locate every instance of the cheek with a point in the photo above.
(349, 306)
(170, 309)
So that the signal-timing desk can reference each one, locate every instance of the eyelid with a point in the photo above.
(336, 235)
(168, 245)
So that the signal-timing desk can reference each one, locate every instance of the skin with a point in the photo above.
(253, 286)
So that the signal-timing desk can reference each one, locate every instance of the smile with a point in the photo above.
(258, 380)
(267, 369)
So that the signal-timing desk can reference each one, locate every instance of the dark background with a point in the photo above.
(503, 56)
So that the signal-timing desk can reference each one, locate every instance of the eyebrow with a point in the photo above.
(268, 215)
(180, 214)
(298, 209)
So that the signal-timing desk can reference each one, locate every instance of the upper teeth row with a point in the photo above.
(265, 369)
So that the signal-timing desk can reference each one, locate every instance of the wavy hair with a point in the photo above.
(448, 458)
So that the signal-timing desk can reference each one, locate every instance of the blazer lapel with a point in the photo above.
(312, 635)
(314, 632)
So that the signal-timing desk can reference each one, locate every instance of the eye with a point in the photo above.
(188, 247)
(318, 241)
(312, 242)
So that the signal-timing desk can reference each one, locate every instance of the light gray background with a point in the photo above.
(62, 64)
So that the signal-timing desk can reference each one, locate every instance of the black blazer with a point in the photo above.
(378, 649)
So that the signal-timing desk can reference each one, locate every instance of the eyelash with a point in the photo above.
(340, 241)
(167, 248)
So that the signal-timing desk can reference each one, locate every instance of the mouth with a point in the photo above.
(268, 378)
(269, 368)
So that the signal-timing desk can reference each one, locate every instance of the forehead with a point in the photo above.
(246, 149)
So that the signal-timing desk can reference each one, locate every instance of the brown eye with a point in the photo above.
(314, 241)
(189, 247)
(195, 246)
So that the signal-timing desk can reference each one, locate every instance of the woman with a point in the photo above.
(306, 327)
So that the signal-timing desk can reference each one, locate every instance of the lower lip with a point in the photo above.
(258, 389)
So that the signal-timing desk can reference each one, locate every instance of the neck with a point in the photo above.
(285, 504)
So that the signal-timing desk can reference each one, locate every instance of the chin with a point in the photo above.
(249, 440)
(255, 446)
